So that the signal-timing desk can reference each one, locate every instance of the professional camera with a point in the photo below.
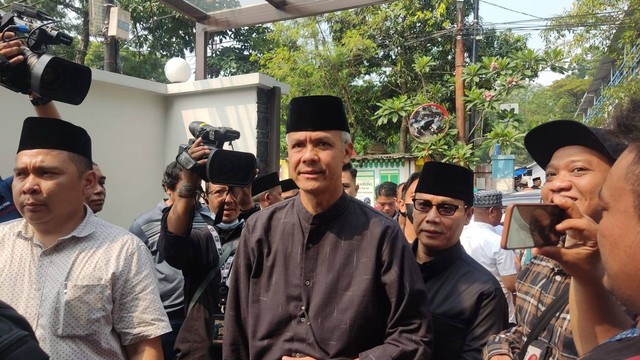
(46, 76)
(225, 167)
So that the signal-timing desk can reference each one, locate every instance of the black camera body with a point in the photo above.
(225, 167)
(46, 76)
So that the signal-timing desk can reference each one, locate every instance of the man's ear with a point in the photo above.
(468, 215)
(401, 206)
(348, 151)
(89, 182)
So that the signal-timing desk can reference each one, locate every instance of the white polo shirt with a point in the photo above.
(482, 243)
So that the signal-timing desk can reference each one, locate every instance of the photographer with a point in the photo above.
(197, 252)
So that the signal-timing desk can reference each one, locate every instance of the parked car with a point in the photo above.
(522, 197)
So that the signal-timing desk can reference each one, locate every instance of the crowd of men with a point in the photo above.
(300, 268)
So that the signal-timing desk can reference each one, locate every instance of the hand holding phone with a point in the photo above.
(531, 225)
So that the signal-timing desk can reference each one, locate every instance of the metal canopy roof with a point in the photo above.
(218, 15)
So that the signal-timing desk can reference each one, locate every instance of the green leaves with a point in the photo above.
(445, 147)
(392, 110)
(506, 135)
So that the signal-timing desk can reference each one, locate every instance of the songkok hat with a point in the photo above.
(316, 113)
(487, 199)
(537, 178)
(54, 134)
(544, 140)
(288, 184)
(264, 183)
(442, 179)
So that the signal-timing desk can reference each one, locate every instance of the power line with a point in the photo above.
(506, 8)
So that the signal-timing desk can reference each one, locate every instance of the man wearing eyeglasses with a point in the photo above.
(199, 253)
(467, 302)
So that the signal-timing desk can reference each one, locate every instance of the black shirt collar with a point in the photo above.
(441, 262)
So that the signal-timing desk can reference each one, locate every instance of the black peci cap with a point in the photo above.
(264, 183)
(288, 184)
(442, 179)
(545, 139)
(55, 134)
(316, 113)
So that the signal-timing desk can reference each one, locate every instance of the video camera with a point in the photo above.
(47, 76)
(234, 168)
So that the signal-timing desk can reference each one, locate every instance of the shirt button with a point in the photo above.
(309, 246)
(303, 320)
(558, 278)
(307, 282)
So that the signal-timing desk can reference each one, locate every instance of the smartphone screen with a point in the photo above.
(531, 225)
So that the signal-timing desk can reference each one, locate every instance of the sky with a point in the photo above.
(495, 12)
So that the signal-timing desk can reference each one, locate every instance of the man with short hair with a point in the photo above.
(86, 287)
(406, 206)
(349, 175)
(480, 240)
(466, 300)
(289, 188)
(99, 194)
(266, 190)
(170, 280)
(323, 276)
(576, 159)
(8, 210)
(402, 216)
(386, 199)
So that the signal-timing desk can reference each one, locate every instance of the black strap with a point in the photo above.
(4, 62)
(228, 249)
(545, 318)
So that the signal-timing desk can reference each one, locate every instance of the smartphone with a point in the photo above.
(531, 225)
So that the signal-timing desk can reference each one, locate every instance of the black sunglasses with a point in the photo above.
(443, 209)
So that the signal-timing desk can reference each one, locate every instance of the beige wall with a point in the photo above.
(136, 127)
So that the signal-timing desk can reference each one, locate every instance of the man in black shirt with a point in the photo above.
(467, 302)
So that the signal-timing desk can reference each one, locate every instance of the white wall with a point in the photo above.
(136, 127)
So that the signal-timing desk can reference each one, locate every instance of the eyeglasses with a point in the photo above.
(443, 209)
(222, 193)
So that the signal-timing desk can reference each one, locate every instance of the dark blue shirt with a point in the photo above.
(8, 210)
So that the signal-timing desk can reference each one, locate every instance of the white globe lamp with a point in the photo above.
(177, 70)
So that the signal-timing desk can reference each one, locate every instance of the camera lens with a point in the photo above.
(231, 167)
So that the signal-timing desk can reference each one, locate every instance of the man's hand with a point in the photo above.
(199, 153)
(11, 50)
(579, 257)
(181, 214)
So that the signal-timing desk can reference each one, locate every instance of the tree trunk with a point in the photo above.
(84, 36)
(404, 132)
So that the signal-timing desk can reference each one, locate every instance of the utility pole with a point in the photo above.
(460, 123)
(110, 42)
(474, 59)
(474, 50)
